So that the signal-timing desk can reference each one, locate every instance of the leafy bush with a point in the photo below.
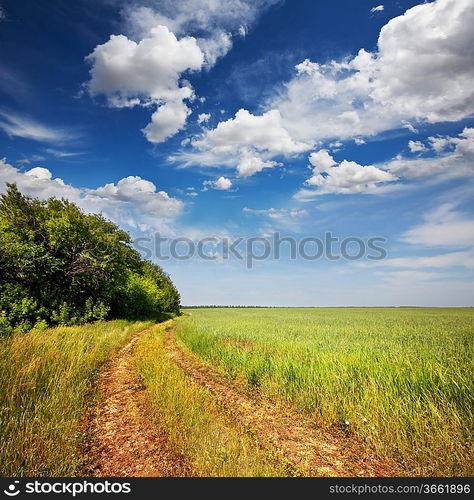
(59, 266)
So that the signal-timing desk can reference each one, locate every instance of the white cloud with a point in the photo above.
(416, 146)
(346, 177)
(216, 47)
(147, 73)
(321, 160)
(23, 126)
(446, 260)
(455, 159)
(379, 8)
(277, 213)
(438, 143)
(62, 154)
(146, 67)
(422, 71)
(425, 62)
(250, 163)
(443, 227)
(166, 121)
(221, 184)
(404, 278)
(40, 173)
(204, 18)
(127, 72)
(132, 201)
(203, 117)
(245, 142)
(263, 132)
(456, 162)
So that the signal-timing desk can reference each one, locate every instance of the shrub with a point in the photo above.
(60, 266)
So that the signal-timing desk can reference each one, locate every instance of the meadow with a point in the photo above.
(398, 379)
(47, 381)
(197, 427)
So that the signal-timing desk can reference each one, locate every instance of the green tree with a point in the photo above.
(62, 266)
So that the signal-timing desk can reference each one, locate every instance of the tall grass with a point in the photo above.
(45, 380)
(400, 379)
(196, 426)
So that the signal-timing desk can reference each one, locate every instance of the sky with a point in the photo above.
(202, 122)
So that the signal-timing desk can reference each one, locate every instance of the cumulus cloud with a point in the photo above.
(453, 158)
(245, 142)
(321, 161)
(166, 121)
(263, 132)
(422, 71)
(147, 73)
(127, 71)
(132, 201)
(346, 177)
(416, 146)
(203, 117)
(221, 184)
(250, 163)
(165, 41)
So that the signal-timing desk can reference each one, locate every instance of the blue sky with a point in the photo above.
(236, 119)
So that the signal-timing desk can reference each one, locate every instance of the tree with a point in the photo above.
(61, 266)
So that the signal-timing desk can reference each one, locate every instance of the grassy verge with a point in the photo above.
(46, 378)
(400, 379)
(212, 444)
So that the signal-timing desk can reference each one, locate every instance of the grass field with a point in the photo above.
(213, 444)
(46, 383)
(399, 379)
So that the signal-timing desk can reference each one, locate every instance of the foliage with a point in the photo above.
(401, 378)
(61, 266)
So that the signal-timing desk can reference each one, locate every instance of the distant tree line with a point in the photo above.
(60, 266)
(213, 306)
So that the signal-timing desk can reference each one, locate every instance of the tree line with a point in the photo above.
(60, 266)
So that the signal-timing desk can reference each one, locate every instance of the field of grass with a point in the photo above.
(213, 444)
(46, 382)
(399, 379)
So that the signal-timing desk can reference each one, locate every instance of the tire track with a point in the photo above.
(289, 436)
(123, 440)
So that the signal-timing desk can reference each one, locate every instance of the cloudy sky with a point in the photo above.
(246, 118)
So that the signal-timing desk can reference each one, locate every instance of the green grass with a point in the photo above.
(197, 427)
(401, 378)
(46, 382)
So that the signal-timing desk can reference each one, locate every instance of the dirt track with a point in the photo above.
(125, 443)
(285, 433)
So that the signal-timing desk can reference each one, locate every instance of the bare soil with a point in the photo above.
(123, 440)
